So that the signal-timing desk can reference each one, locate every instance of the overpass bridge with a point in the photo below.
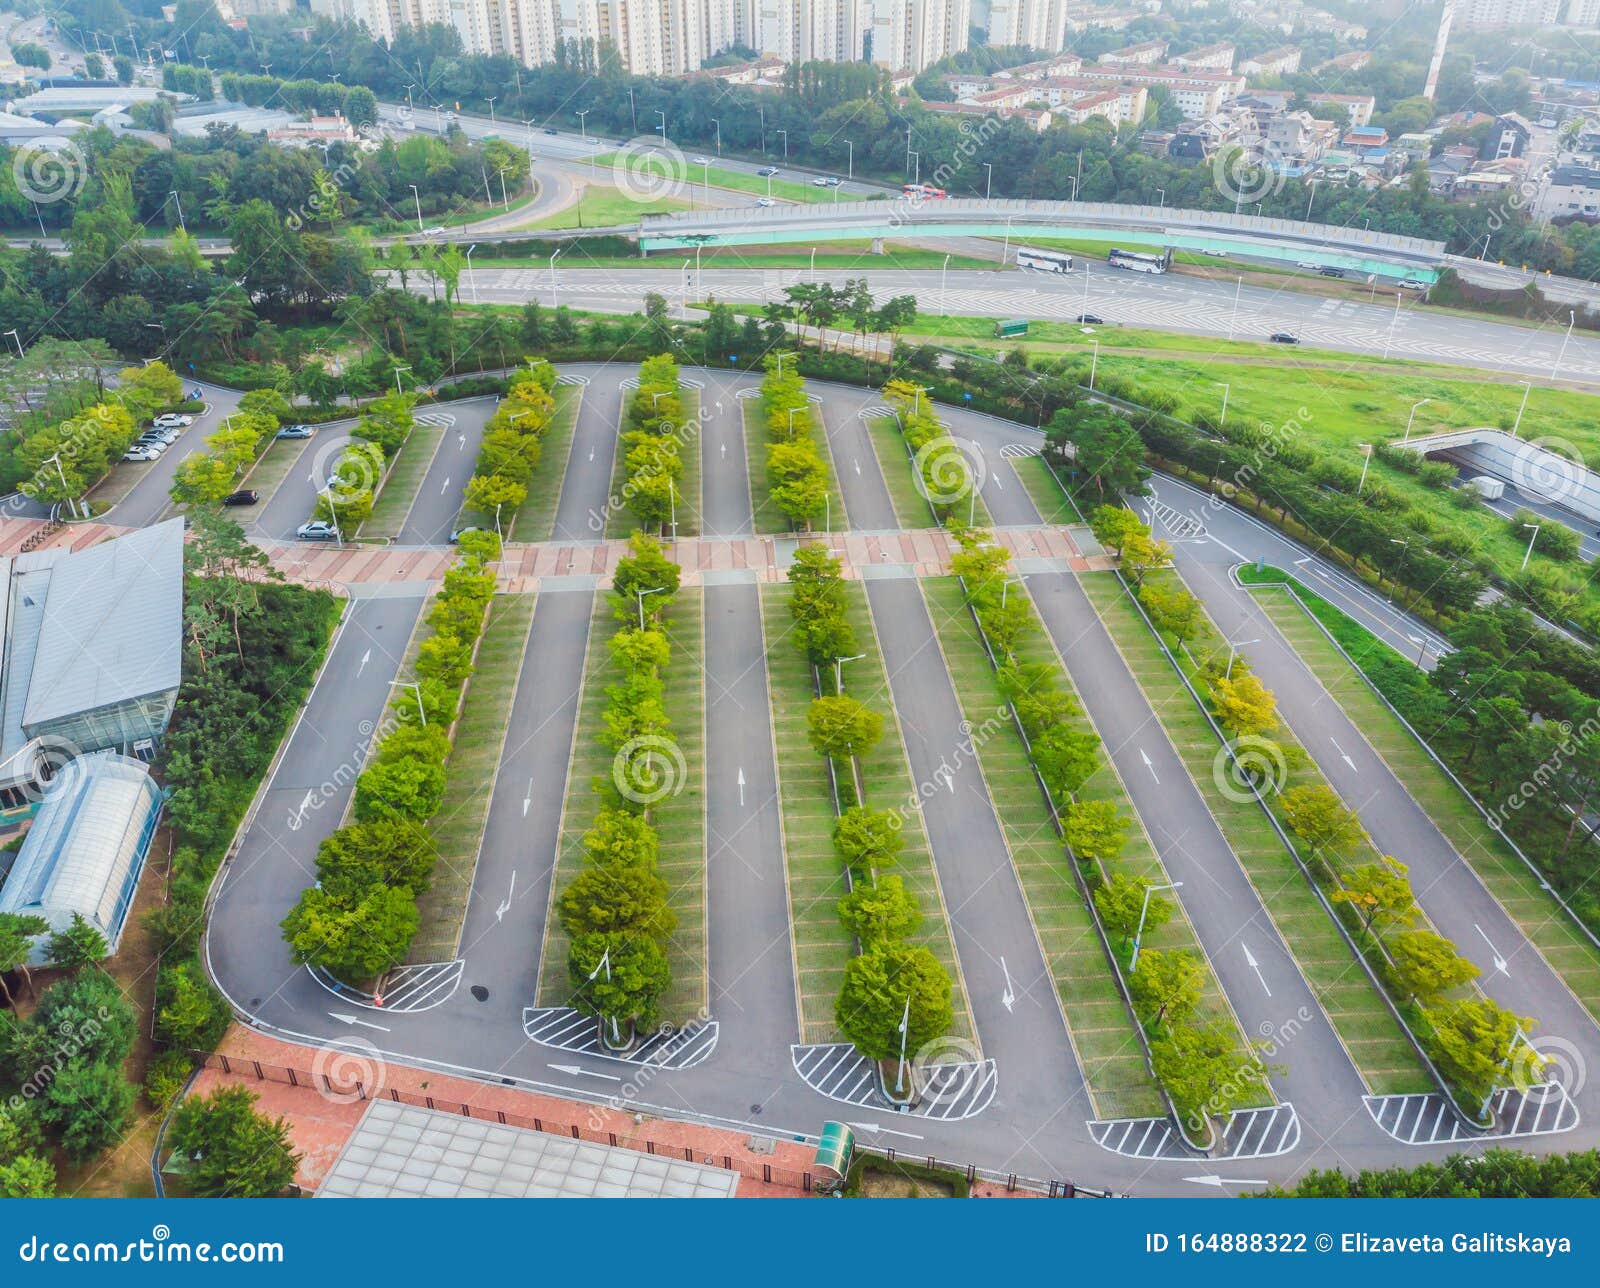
(1221, 233)
(1538, 473)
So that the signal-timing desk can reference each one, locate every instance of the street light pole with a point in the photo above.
(1144, 909)
(838, 670)
(1233, 648)
(13, 334)
(397, 372)
(554, 281)
(640, 595)
(417, 197)
(1527, 388)
(1572, 319)
(471, 280)
(1413, 416)
(988, 179)
(905, 1029)
(1528, 553)
(422, 711)
(1094, 364)
(944, 273)
(1222, 422)
(1366, 450)
(179, 204)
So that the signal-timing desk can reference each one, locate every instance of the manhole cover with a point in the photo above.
(755, 1109)
(480, 992)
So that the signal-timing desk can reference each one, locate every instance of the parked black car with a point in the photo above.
(244, 496)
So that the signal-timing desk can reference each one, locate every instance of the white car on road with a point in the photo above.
(172, 420)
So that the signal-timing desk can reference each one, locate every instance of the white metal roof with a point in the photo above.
(407, 1151)
(112, 628)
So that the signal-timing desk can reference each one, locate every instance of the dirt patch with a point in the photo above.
(876, 1184)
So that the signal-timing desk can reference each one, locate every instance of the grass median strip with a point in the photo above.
(458, 825)
(1510, 880)
(1379, 1049)
(679, 819)
(403, 481)
(1102, 1029)
(620, 519)
(816, 880)
(1054, 505)
(767, 518)
(535, 518)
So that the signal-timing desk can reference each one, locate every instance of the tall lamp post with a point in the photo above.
(605, 965)
(640, 595)
(838, 670)
(415, 687)
(1527, 388)
(1528, 553)
(1233, 648)
(1144, 908)
(1423, 403)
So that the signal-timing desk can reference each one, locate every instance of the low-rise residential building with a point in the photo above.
(1147, 54)
(1298, 138)
(1283, 61)
(1353, 61)
(1217, 58)
(317, 130)
(1569, 192)
(1509, 138)
(1197, 94)
(1358, 107)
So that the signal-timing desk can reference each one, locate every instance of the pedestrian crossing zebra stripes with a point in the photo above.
(564, 1029)
(1248, 1133)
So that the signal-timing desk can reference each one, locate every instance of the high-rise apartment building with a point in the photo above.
(671, 37)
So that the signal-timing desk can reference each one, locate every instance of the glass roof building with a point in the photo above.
(87, 846)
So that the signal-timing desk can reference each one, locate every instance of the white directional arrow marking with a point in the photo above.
(1217, 1182)
(505, 904)
(856, 463)
(528, 799)
(1253, 964)
(350, 1019)
(577, 1072)
(741, 786)
(362, 665)
(1149, 766)
(1009, 997)
(1341, 752)
(591, 453)
(446, 486)
(1499, 961)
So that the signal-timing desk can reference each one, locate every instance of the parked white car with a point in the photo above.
(172, 420)
(141, 454)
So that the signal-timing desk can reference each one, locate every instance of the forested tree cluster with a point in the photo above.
(229, 1149)
(509, 453)
(356, 103)
(359, 919)
(797, 476)
(1494, 1174)
(890, 979)
(615, 911)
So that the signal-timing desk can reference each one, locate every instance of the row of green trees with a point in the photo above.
(945, 475)
(512, 443)
(1198, 1060)
(351, 488)
(359, 919)
(890, 979)
(205, 477)
(796, 472)
(615, 911)
(356, 103)
(1467, 1035)
(652, 443)
(63, 461)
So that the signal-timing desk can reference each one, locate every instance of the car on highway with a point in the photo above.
(833, 181)
(141, 453)
(317, 530)
(767, 171)
(819, 183)
(1412, 284)
(172, 420)
(1284, 337)
(699, 160)
(1328, 270)
(1091, 319)
(295, 431)
(765, 201)
(436, 231)
(1310, 265)
(244, 496)
(550, 130)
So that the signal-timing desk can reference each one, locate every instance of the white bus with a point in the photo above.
(1046, 261)
(1139, 261)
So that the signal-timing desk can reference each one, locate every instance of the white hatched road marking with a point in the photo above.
(1428, 1118)
(404, 990)
(565, 1029)
(1017, 451)
(1249, 1133)
(442, 419)
(951, 1091)
(571, 378)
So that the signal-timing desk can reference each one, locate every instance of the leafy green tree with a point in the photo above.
(631, 991)
(399, 790)
(1065, 758)
(1427, 965)
(1113, 525)
(190, 1012)
(80, 944)
(357, 857)
(1204, 1071)
(17, 935)
(1166, 986)
(1095, 830)
(1318, 816)
(617, 899)
(359, 939)
(230, 1150)
(647, 568)
(872, 1001)
(621, 837)
(27, 1176)
(878, 913)
(87, 1104)
(841, 727)
(1245, 706)
(868, 840)
(89, 1005)
(1471, 1042)
(1121, 900)
(1380, 893)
